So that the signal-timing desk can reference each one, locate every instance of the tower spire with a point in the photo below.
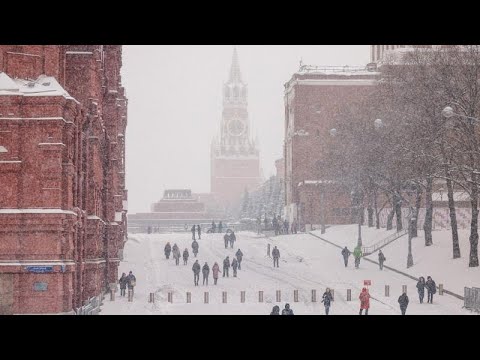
(235, 75)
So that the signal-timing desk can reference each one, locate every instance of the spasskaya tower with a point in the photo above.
(235, 164)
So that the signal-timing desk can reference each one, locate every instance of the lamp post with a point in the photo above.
(356, 195)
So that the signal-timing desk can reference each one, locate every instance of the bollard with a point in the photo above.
(170, 297)
(151, 298)
(242, 296)
(404, 289)
(333, 294)
(130, 295)
(349, 294)
(260, 296)
(314, 295)
(189, 298)
(440, 289)
(205, 297)
(295, 295)
(278, 296)
(112, 295)
(387, 290)
(224, 297)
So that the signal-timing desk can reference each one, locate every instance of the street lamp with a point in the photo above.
(356, 205)
(448, 113)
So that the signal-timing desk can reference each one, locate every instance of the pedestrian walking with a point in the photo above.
(226, 239)
(175, 248)
(232, 239)
(205, 273)
(259, 225)
(226, 266)
(421, 288)
(234, 266)
(196, 272)
(193, 232)
(364, 301)
(275, 310)
(215, 272)
(327, 298)
(220, 227)
(346, 254)
(168, 250)
(199, 231)
(185, 256)
(285, 226)
(123, 284)
(431, 289)
(131, 281)
(195, 248)
(357, 253)
(239, 256)
(276, 256)
(176, 256)
(381, 259)
(214, 226)
(403, 301)
(287, 310)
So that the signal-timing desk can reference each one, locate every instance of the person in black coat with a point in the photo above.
(123, 284)
(205, 273)
(232, 239)
(275, 310)
(168, 250)
(195, 248)
(431, 289)
(193, 232)
(327, 298)
(234, 266)
(276, 256)
(220, 227)
(214, 226)
(403, 301)
(381, 259)
(226, 238)
(287, 310)
(196, 272)
(185, 256)
(199, 231)
(421, 288)
(346, 253)
(239, 256)
(226, 266)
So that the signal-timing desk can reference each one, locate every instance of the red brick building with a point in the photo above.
(235, 164)
(314, 98)
(63, 203)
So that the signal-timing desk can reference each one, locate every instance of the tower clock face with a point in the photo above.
(236, 127)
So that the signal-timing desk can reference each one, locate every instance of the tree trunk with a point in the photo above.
(474, 225)
(390, 219)
(427, 226)
(418, 203)
(398, 211)
(377, 215)
(453, 220)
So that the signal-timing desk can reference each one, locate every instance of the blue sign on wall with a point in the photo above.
(39, 269)
(40, 286)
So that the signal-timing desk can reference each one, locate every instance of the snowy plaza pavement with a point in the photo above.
(306, 263)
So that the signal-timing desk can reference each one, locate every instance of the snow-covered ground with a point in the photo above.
(306, 263)
(435, 261)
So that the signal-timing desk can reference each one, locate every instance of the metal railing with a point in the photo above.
(472, 299)
(368, 250)
(91, 307)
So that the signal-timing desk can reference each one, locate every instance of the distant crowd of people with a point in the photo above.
(281, 227)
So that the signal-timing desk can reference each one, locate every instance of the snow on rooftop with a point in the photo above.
(43, 86)
(7, 84)
(336, 70)
(3, 149)
(36, 211)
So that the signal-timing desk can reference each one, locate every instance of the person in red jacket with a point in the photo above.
(215, 271)
(364, 301)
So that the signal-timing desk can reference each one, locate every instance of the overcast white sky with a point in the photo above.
(175, 107)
